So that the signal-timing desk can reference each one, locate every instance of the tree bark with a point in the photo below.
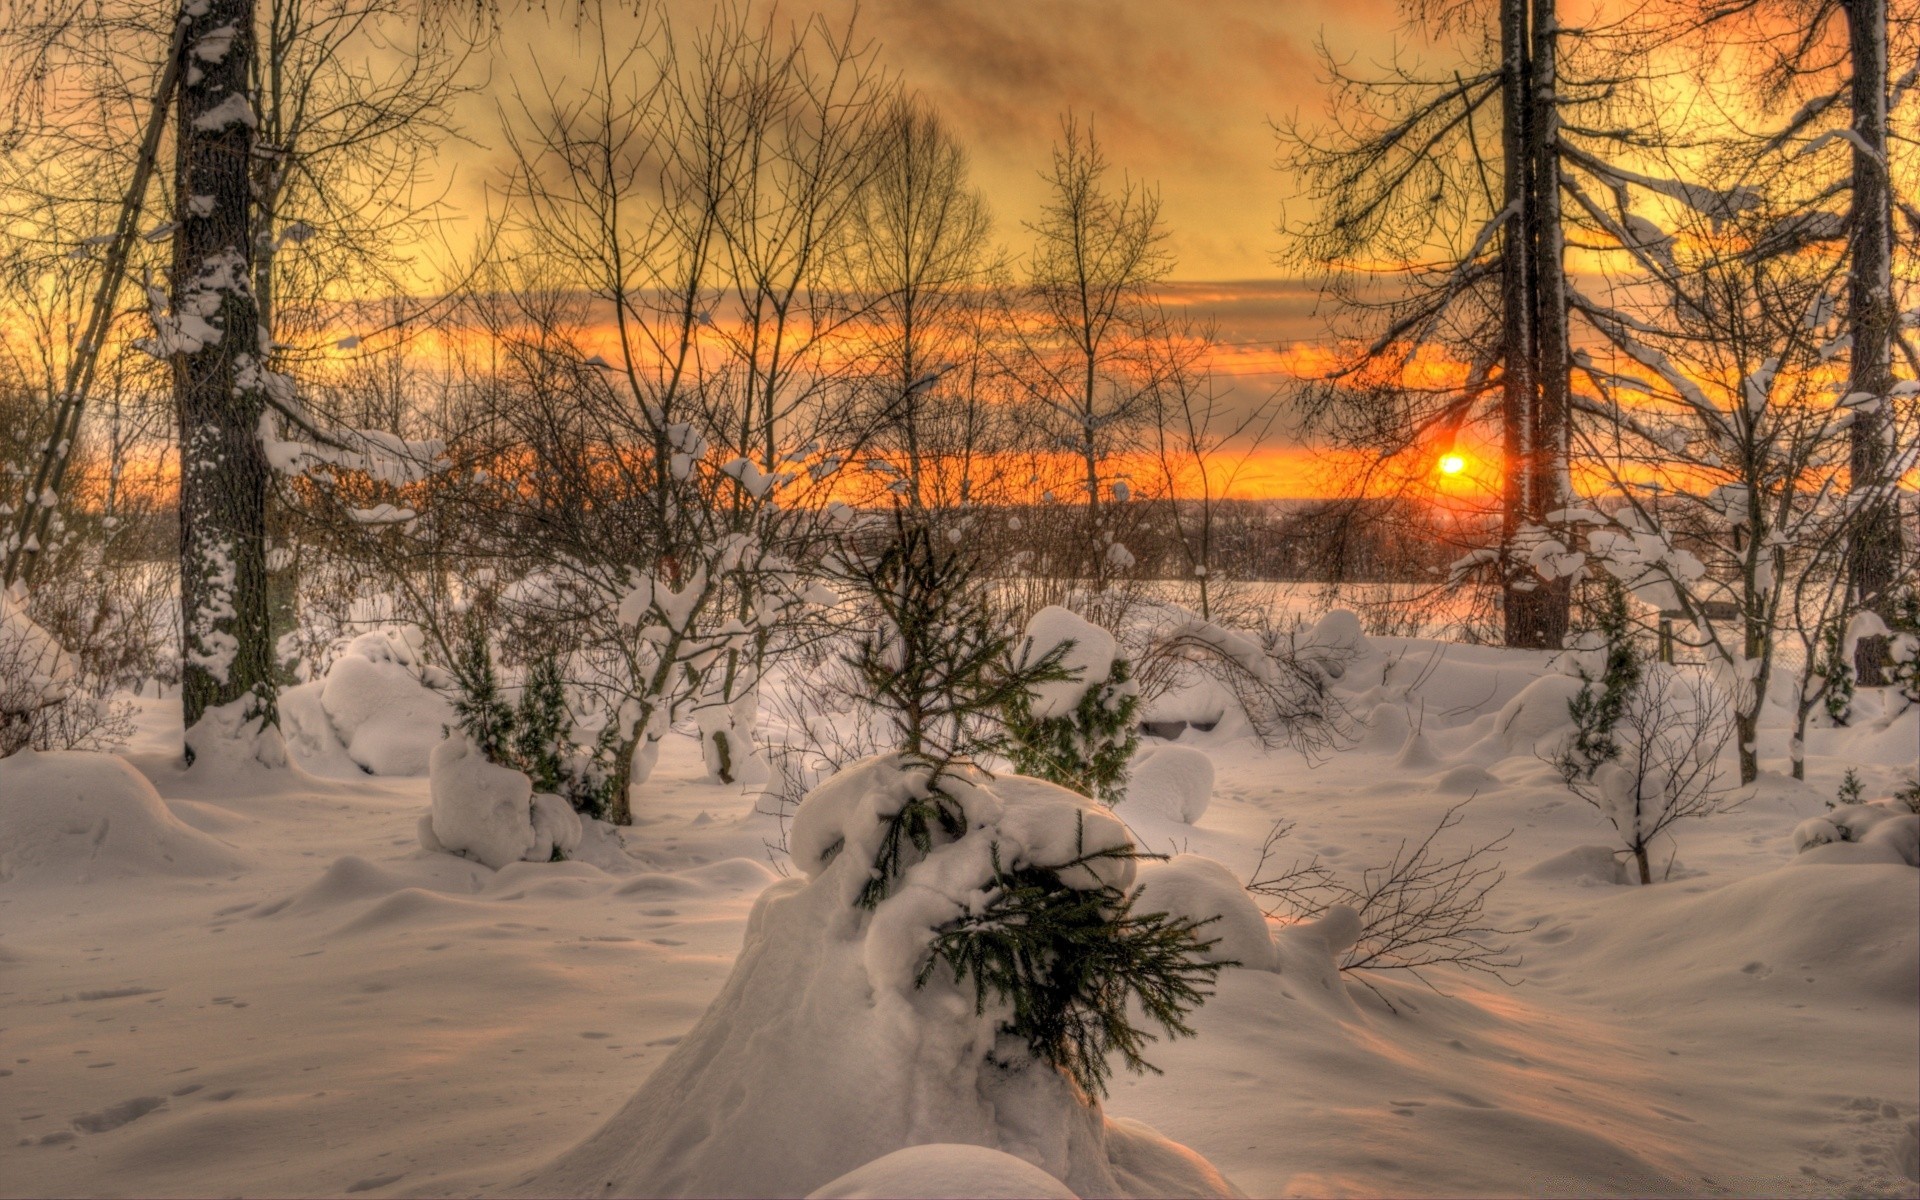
(1874, 550)
(218, 373)
(1517, 315)
(1536, 383)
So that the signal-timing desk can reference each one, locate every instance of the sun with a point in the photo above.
(1452, 464)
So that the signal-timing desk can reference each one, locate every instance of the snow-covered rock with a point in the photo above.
(945, 1172)
(1089, 661)
(827, 1049)
(385, 718)
(72, 816)
(1201, 889)
(480, 810)
(1171, 782)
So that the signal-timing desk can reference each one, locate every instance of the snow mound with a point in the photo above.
(1586, 866)
(945, 1172)
(1173, 782)
(489, 813)
(823, 1052)
(1533, 722)
(80, 817)
(1334, 640)
(385, 718)
(1879, 831)
(1826, 937)
(1089, 661)
(1199, 888)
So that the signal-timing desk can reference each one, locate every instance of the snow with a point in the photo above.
(1191, 885)
(71, 816)
(827, 1047)
(480, 810)
(1174, 783)
(371, 712)
(234, 110)
(945, 1172)
(1087, 662)
(335, 1011)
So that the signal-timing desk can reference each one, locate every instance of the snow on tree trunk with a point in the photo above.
(211, 336)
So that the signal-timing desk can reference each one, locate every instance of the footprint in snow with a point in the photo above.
(374, 1181)
(113, 1116)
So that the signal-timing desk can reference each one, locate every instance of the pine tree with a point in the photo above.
(1836, 667)
(483, 714)
(1603, 700)
(1072, 963)
(941, 663)
(543, 728)
(1086, 750)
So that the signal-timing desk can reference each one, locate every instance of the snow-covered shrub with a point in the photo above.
(1078, 732)
(489, 813)
(1203, 891)
(69, 816)
(534, 736)
(42, 705)
(1670, 734)
(1171, 782)
(1280, 680)
(1887, 823)
(1423, 908)
(377, 699)
(846, 1030)
(1606, 687)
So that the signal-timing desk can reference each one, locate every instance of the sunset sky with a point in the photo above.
(1181, 94)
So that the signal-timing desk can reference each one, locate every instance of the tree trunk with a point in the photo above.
(1874, 549)
(1746, 730)
(218, 371)
(1545, 610)
(1518, 391)
(1646, 868)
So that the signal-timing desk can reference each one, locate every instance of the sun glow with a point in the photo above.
(1452, 464)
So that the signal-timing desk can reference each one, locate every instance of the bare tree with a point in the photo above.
(1671, 736)
(919, 248)
(1086, 320)
(1202, 444)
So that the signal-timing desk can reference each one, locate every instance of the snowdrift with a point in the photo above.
(370, 714)
(821, 1054)
(72, 816)
(1172, 782)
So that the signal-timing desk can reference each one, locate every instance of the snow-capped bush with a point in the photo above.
(42, 706)
(536, 735)
(1171, 782)
(971, 999)
(489, 813)
(1203, 891)
(378, 706)
(1079, 731)
(1664, 767)
(1885, 824)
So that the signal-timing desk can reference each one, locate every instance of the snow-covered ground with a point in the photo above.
(270, 989)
